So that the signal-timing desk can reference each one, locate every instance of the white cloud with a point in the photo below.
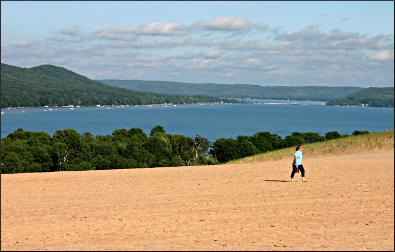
(382, 56)
(70, 34)
(253, 61)
(214, 53)
(225, 24)
(70, 31)
(24, 43)
(153, 29)
(58, 37)
(310, 32)
(165, 29)
(82, 48)
(311, 37)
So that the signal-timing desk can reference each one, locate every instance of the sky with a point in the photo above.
(247, 42)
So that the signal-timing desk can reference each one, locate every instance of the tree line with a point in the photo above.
(49, 85)
(67, 150)
(372, 97)
(317, 93)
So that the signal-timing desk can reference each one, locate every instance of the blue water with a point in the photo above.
(209, 120)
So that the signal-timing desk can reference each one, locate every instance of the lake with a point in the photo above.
(212, 121)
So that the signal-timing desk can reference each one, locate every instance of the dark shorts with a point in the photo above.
(297, 169)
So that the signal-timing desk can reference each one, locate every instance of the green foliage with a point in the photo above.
(265, 141)
(225, 149)
(183, 148)
(293, 140)
(372, 97)
(332, 135)
(67, 150)
(137, 131)
(101, 163)
(157, 130)
(48, 85)
(309, 137)
(159, 145)
(201, 146)
(211, 160)
(246, 148)
(60, 156)
(176, 161)
(70, 137)
(357, 132)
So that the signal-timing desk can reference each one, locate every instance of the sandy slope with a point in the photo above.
(347, 204)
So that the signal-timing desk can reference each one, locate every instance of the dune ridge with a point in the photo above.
(372, 142)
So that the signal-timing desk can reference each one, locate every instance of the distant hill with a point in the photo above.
(372, 97)
(52, 85)
(315, 93)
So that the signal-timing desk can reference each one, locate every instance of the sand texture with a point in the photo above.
(347, 203)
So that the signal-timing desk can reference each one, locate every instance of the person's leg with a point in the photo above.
(293, 172)
(301, 168)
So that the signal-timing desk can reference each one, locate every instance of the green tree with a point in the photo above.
(293, 140)
(246, 148)
(159, 145)
(70, 137)
(101, 163)
(225, 149)
(310, 137)
(358, 132)
(176, 161)
(265, 141)
(121, 135)
(157, 130)
(60, 156)
(332, 135)
(42, 157)
(183, 147)
(201, 146)
(137, 131)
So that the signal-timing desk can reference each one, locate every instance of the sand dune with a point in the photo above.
(347, 203)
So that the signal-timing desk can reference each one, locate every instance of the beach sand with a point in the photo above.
(347, 203)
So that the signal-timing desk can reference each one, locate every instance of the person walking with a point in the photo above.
(297, 163)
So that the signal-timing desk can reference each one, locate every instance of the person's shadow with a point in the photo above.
(276, 180)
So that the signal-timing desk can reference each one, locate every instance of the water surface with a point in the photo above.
(209, 120)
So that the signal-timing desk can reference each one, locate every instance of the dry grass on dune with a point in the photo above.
(348, 145)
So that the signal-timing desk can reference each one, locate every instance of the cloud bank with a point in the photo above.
(222, 49)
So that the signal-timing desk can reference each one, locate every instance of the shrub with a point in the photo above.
(332, 135)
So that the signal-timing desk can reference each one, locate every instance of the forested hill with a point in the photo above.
(52, 85)
(372, 97)
(317, 93)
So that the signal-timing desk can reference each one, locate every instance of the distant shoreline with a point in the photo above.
(267, 102)
(118, 106)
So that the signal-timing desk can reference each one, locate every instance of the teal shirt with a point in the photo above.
(299, 157)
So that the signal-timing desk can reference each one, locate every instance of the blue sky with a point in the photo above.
(266, 43)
